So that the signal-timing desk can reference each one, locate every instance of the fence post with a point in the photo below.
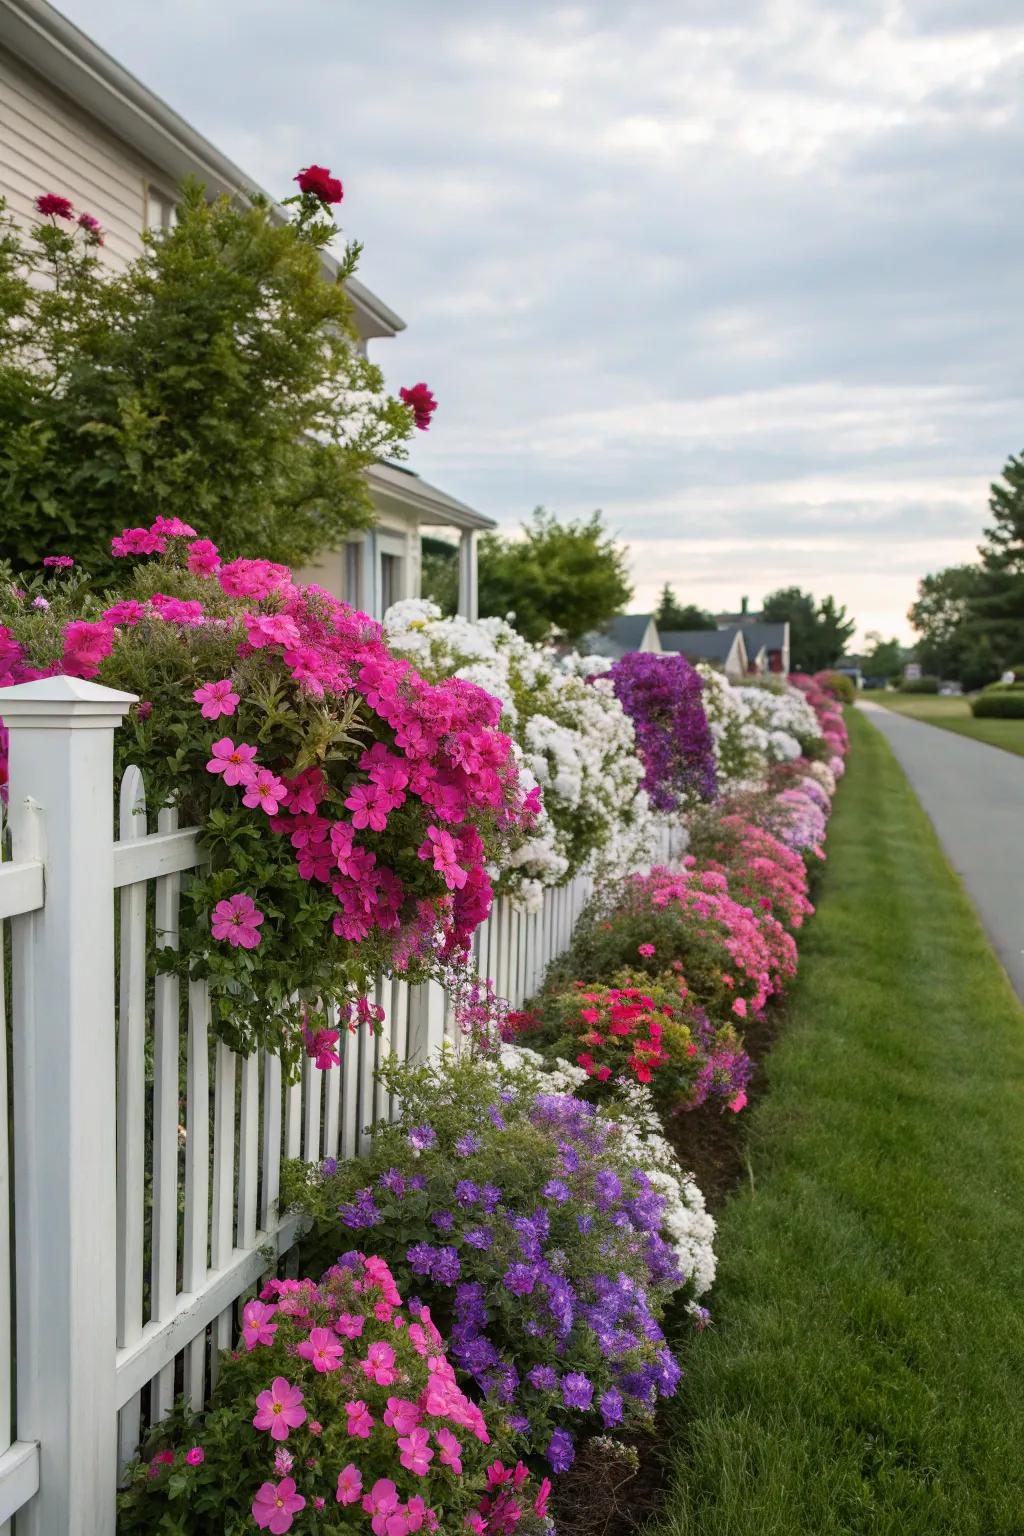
(61, 755)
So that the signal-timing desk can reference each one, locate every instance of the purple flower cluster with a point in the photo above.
(662, 696)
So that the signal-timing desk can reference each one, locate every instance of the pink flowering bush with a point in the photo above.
(761, 870)
(732, 958)
(348, 808)
(337, 1411)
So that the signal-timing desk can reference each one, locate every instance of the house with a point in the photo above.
(767, 636)
(73, 121)
(629, 632)
(722, 648)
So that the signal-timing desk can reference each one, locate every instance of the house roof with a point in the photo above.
(396, 483)
(620, 635)
(71, 62)
(768, 636)
(701, 644)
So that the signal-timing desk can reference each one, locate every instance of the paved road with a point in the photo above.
(974, 795)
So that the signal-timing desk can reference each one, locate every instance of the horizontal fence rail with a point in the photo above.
(168, 1145)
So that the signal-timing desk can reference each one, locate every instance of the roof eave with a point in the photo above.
(434, 508)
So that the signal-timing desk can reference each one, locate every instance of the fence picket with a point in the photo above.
(270, 1187)
(166, 1045)
(131, 1102)
(197, 1174)
(248, 1152)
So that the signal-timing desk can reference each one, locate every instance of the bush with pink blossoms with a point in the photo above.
(762, 871)
(348, 808)
(337, 1411)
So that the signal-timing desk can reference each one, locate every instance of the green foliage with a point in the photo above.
(950, 644)
(883, 658)
(215, 379)
(996, 607)
(999, 704)
(840, 686)
(671, 614)
(818, 632)
(919, 685)
(562, 579)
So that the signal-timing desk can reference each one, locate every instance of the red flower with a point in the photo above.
(93, 229)
(51, 205)
(318, 180)
(421, 402)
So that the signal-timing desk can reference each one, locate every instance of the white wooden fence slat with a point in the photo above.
(349, 1090)
(399, 1031)
(222, 1213)
(272, 1113)
(311, 1086)
(164, 853)
(131, 1106)
(332, 1100)
(197, 1175)
(164, 1270)
(21, 888)
(248, 1152)
(382, 1049)
(293, 1119)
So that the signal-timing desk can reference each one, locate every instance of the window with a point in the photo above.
(390, 580)
(161, 209)
(353, 573)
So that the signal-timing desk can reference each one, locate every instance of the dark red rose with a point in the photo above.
(51, 205)
(318, 180)
(421, 402)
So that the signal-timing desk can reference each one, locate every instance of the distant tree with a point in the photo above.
(995, 606)
(818, 632)
(883, 658)
(951, 642)
(671, 614)
(559, 579)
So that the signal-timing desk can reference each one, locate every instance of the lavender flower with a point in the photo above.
(577, 1391)
(560, 1451)
(422, 1137)
(468, 1144)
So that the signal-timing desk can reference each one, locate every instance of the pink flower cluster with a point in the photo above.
(766, 873)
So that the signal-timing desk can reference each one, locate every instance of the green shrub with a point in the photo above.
(919, 685)
(839, 685)
(1000, 704)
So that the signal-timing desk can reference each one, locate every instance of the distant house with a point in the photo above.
(722, 648)
(628, 632)
(767, 640)
(73, 121)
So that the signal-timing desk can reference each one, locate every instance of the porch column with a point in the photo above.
(468, 594)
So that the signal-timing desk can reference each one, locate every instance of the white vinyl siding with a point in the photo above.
(48, 145)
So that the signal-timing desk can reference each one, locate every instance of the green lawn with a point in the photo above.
(866, 1372)
(954, 715)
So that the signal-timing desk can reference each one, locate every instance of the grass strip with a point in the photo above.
(954, 714)
(866, 1371)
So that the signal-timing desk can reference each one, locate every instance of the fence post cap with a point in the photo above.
(64, 701)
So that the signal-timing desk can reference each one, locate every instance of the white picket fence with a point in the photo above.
(120, 1272)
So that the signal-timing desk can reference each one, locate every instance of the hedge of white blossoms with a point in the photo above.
(783, 715)
(572, 736)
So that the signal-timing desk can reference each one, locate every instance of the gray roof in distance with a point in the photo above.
(705, 644)
(771, 635)
(618, 638)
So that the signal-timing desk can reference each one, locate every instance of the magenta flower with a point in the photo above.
(360, 1420)
(235, 763)
(402, 1415)
(265, 790)
(279, 1409)
(172, 528)
(320, 1048)
(647, 950)
(196, 1456)
(137, 541)
(217, 699)
(274, 1506)
(416, 1454)
(451, 1450)
(369, 804)
(270, 629)
(379, 1365)
(350, 1484)
(382, 1498)
(322, 1350)
(440, 847)
(58, 562)
(203, 558)
(237, 919)
(256, 1325)
(86, 645)
(130, 611)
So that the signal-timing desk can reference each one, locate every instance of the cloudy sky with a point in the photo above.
(744, 273)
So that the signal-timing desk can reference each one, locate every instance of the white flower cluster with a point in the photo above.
(685, 1221)
(573, 738)
(741, 747)
(783, 716)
